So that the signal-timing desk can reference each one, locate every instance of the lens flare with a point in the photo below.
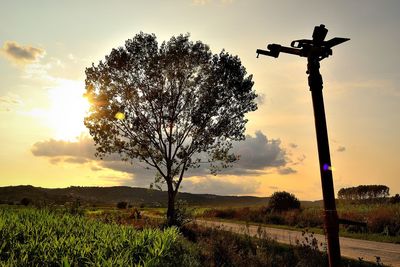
(120, 116)
(326, 167)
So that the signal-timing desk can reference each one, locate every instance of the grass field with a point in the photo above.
(62, 236)
(32, 237)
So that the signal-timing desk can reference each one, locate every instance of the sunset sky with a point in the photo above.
(45, 47)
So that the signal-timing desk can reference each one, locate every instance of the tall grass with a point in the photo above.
(381, 218)
(31, 237)
(221, 247)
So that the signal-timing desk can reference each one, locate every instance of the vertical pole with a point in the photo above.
(331, 221)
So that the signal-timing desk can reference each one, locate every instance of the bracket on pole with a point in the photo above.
(305, 47)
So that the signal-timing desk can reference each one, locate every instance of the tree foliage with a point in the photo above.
(283, 201)
(363, 192)
(168, 105)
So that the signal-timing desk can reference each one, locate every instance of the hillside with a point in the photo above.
(115, 194)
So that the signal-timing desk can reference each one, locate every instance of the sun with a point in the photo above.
(68, 108)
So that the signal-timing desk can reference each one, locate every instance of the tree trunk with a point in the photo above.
(171, 216)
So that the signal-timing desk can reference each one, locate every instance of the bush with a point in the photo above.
(26, 201)
(395, 199)
(135, 214)
(283, 201)
(384, 221)
(219, 247)
(74, 208)
(122, 205)
(183, 214)
(310, 217)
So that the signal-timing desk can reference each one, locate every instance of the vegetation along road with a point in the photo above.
(352, 248)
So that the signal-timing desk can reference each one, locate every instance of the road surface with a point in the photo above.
(349, 247)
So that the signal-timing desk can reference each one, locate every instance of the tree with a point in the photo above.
(283, 201)
(168, 106)
(26, 201)
(364, 192)
(395, 199)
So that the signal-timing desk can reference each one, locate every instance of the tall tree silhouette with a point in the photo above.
(168, 106)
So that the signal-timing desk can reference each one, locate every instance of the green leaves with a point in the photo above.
(178, 100)
(167, 105)
(32, 237)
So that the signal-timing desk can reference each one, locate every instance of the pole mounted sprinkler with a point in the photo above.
(316, 50)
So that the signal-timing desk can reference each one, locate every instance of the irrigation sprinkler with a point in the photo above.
(316, 50)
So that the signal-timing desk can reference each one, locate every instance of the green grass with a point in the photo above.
(32, 237)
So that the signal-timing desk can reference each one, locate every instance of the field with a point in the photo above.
(33, 237)
(71, 236)
(382, 219)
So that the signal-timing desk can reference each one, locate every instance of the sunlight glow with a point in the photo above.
(120, 116)
(68, 109)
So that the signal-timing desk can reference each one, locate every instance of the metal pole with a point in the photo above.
(316, 50)
(331, 221)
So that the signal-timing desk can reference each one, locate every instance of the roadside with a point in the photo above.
(351, 248)
(363, 236)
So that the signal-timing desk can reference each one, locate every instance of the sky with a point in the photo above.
(45, 47)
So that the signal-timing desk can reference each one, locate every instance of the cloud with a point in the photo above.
(259, 152)
(257, 155)
(260, 99)
(21, 54)
(84, 148)
(77, 160)
(95, 168)
(205, 2)
(9, 102)
(222, 186)
(83, 151)
(286, 171)
(341, 149)
(293, 145)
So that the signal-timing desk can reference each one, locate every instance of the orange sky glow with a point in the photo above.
(46, 45)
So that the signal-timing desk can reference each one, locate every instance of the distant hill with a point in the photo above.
(115, 194)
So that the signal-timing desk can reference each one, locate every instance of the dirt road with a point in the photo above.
(351, 248)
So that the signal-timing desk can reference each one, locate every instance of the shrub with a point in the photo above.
(135, 214)
(26, 201)
(219, 247)
(182, 213)
(310, 217)
(384, 221)
(122, 205)
(274, 218)
(282, 201)
(395, 199)
(291, 217)
(73, 208)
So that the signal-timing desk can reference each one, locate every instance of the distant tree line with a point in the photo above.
(364, 192)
